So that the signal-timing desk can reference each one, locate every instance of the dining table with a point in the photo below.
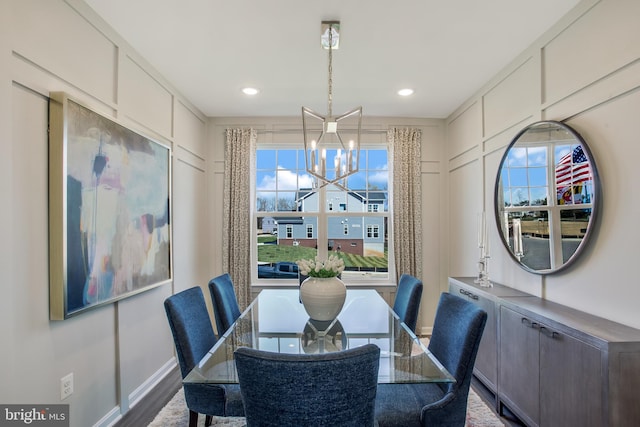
(276, 321)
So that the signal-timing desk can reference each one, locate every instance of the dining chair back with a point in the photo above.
(457, 331)
(225, 303)
(407, 302)
(193, 337)
(325, 389)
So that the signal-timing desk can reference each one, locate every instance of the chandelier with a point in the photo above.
(331, 143)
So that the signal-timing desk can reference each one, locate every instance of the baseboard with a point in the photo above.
(139, 393)
(147, 407)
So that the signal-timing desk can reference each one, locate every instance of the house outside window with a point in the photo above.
(373, 231)
(306, 222)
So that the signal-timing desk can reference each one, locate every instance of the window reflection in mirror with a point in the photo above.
(573, 226)
(545, 196)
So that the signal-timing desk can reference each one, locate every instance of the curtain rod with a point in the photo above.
(300, 130)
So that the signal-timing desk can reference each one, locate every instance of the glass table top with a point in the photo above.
(277, 321)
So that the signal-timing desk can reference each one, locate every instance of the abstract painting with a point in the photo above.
(109, 206)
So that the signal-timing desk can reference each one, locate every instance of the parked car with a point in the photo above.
(280, 270)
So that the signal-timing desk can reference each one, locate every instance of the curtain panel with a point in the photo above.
(404, 145)
(240, 151)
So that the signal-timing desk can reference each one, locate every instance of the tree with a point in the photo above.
(264, 204)
(287, 204)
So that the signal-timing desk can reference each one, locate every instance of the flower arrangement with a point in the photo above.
(332, 267)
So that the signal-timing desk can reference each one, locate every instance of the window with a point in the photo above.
(373, 231)
(351, 223)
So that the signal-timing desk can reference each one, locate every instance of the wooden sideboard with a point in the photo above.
(552, 365)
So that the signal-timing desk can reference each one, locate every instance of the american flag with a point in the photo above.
(573, 168)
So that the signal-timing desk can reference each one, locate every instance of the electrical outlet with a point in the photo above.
(66, 386)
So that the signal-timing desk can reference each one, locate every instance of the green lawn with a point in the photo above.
(275, 253)
(266, 238)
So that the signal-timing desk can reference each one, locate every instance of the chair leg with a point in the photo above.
(208, 420)
(193, 419)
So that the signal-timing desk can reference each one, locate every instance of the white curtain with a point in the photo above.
(404, 146)
(239, 156)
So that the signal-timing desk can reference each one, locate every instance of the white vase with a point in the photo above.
(323, 297)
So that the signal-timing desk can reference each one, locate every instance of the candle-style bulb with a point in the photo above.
(481, 229)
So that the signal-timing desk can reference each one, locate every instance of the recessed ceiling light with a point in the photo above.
(250, 91)
(405, 92)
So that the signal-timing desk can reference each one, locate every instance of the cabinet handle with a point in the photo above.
(469, 294)
(529, 323)
(548, 332)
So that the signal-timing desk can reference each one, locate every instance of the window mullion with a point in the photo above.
(323, 230)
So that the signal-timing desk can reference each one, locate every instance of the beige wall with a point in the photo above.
(585, 71)
(117, 352)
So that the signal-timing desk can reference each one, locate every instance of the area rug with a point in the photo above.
(175, 413)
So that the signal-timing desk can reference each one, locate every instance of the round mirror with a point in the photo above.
(545, 196)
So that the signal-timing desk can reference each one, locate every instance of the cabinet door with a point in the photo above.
(570, 381)
(519, 365)
(486, 366)
(487, 358)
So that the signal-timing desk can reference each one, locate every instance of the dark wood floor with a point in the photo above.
(149, 406)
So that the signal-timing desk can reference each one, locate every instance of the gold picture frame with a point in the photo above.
(109, 210)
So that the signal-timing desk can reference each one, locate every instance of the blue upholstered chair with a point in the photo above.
(457, 330)
(407, 302)
(225, 303)
(298, 390)
(193, 337)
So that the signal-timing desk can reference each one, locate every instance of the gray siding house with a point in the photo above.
(351, 234)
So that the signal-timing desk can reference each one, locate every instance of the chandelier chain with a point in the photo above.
(330, 100)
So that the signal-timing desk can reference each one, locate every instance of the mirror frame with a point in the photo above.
(551, 195)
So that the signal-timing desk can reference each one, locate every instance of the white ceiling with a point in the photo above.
(444, 49)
